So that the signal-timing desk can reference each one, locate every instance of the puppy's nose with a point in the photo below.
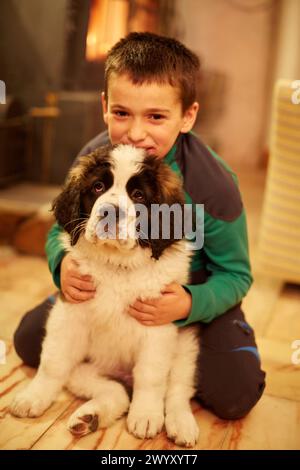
(113, 211)
(120, 213)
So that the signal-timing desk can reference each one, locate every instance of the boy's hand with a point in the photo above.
(75, 287)
(174, 304)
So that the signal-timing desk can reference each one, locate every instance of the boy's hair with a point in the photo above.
(147, 57)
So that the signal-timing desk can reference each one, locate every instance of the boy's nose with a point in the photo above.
(136, 133)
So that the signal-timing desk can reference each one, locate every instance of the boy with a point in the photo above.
(150, 102)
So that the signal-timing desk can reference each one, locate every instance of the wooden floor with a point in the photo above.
(272, 308)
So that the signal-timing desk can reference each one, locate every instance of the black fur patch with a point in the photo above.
(73, 206)
(159, 185)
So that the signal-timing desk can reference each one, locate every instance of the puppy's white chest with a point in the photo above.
(116, 292)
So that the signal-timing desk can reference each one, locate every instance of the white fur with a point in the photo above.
(158, 361)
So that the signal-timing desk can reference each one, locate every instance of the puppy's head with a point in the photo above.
(118, 196)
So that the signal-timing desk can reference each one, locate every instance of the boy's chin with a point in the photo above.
(151, 151)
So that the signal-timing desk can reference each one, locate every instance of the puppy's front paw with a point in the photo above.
(182, 428)
(29, 403)
(145, 424)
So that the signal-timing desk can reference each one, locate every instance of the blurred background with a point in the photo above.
(52, 55)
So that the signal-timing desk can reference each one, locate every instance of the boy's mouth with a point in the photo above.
(148, 150)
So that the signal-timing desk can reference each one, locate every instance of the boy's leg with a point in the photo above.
(29, 335)
(230, 380)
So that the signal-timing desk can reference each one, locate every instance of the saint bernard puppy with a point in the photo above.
(95, 348)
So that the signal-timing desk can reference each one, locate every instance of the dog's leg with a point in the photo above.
(108, 400)
(146, 413)
(64, 347)
(180, 423)
(36, 397)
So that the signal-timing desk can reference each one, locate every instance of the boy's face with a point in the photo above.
(148, 115)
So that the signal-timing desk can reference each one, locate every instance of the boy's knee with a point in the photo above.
(29, 335)
(233, 387)
(26, 349)
(238, 404)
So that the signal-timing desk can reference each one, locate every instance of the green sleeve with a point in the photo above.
(55, 252)
(226, 248)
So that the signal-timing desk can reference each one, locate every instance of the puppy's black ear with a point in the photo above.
(66, 208)
(171, 229)
(159, 246)
(171, 194)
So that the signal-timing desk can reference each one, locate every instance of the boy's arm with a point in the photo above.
(55, 252)
(226, 247)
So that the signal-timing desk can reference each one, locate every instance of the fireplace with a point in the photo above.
(94, 26)
(60, 52)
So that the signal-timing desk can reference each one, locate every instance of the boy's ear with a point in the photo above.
(104, 107)
(189, 117)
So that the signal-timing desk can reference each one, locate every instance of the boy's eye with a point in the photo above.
(156, 117)
(120, 113)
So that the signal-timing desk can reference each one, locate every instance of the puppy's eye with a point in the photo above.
(98, 187)
(105, 165)
(137, 195)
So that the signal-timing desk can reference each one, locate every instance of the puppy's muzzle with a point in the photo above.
(112, 221)
(112, 213)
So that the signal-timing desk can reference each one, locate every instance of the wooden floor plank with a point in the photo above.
(284, 325)
(274, 424)
(260, 302)
(212, 435)
(283, 377)
(25, 281)
(16, 433)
